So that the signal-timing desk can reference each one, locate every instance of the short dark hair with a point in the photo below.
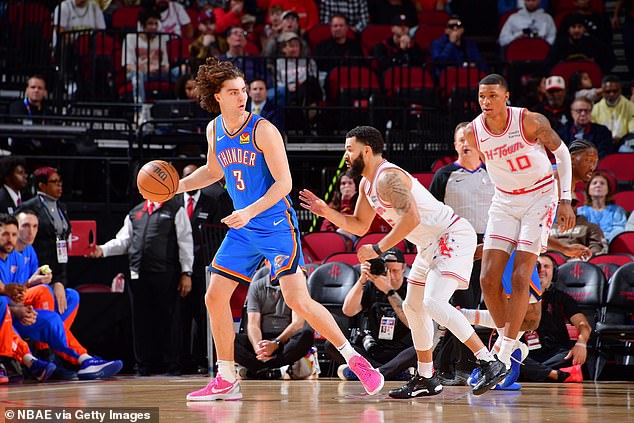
(257, 79)
(580, 145)
(495, 79)
(36, 76)
(145, 14)
(368, 135)
(8, 165)
(27, 211)
(611, 78)
(459, 126)
(7, 219)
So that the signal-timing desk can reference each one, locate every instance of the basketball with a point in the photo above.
(157, 181)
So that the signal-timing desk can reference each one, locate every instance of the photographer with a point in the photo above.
(385, 339)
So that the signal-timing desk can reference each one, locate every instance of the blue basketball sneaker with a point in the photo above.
(42, 370)
(98, 368)
(517, 358)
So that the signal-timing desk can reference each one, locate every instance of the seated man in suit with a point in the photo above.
(258, 104)
(14, 180)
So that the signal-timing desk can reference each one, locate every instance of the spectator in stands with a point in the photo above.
(333, 51)
(306, 11)
(453, 49)
(555, 108)
(387, 341)
(614, 111)
(581, 127)
(174, 18)
(76, 15)
(252, 66)
(204, 207)
(343, 200)
(385, 12)
(584, 232)
(272, 30)
(531, 21)
(207, 44)
(597, 24)
(51, 242)
(157, 237)
(599, 207)
(297, 81)
(533, 92)
(259, 104)
(290, 23)
(276, 336)
(505, 6)
(32, 105)
(400, 49)
(553, 349)
(577, 44)
(14, 180)
(144, 55)
(465, 186)
(580, 86)
(229, 16)
(356, 12)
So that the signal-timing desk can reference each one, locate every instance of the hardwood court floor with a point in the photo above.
(330, 400)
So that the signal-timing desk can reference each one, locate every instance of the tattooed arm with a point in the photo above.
(397, 304)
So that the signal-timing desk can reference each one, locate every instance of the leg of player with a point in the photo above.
(298, 299)
(493, 265)
(224, 386)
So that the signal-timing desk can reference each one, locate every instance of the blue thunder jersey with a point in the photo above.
(11, 269)
(246, 172)
(31, 262)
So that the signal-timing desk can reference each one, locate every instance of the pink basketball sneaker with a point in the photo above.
(370, 377)
(218, 389)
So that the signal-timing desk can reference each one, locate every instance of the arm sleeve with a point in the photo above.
(181, 13)
(120, 244)
(185, 240)
(34, 263)
(564, 168)
(551, 30)
(100, 22)
(364, 16)
(506, 34)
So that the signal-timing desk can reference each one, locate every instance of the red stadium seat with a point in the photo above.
(619, 259)
(625, 199)
(443, 161)
(409, 258)
(504, 18)
(310, 268)
(352, 81)
(622, 243)
(93, 288)
(348, 258)
(238, 298)
(527, 49)
(373, 238)
(557, 256)
(424, 178)
(193, 15)
(178, 50)
(126, 17)
(559, 5)
(373, 35)
(452, 78)
(319, 245)
(621, 165)
(566, 69)
(427, 34)
(436, 17)
(406, 79)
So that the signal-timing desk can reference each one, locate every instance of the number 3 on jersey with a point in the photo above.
(239, 181)
(521, 163)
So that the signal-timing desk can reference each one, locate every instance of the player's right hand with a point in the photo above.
(15, 292)
(311, 202)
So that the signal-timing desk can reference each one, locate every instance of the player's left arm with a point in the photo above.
(270, 141)
(394, 188)
(537, 128)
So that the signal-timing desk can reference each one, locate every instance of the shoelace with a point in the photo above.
(361, 368)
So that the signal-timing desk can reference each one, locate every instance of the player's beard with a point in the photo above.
(356, 167)
(7, 248)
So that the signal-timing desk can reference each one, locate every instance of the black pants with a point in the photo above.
(537, 369)
(194, 324)
(155, 318)
(295, 348)
(390, 362)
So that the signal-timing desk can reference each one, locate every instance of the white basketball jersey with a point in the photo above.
(515, 164)
(435, 217)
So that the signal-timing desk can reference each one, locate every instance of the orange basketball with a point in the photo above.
(157, 181)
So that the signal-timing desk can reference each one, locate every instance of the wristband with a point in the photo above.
(579, 344)
(277, 341)
(390, 293)
(376, 249)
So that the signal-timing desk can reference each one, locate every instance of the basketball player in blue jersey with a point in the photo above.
(249, 152)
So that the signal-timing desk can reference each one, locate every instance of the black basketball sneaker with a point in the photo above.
(491, 372)
(418, 386)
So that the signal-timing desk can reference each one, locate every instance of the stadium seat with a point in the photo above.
(557, 256)
(319, 245)
(178, 50)
(426, 34)
(608, 269)
(615, 322)
(352, 82)
(559, 5)
(452, 78)
(411, 82)
(527, 49)
(347, 258)
(409, 258)
(619, 259)
(93, 288)
(310, 268)
(443, 161)
(622, 243)
(625, 199)
(585, 283)
(435, 17)
(373, 238)
(621, 165)
(126, 18)
(373, 35)
(567, 68)
(424, 178)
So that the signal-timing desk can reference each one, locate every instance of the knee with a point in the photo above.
(72, 296)
(432, 307)
(298, 302)
(410, 309)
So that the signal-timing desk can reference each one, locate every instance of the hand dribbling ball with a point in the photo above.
(157, 181)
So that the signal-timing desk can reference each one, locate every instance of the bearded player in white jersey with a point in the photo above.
(512, 141)
(445, 245)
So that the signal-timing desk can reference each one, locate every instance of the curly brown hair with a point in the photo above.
(210, 78)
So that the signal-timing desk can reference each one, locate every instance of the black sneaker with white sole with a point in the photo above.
(417, 386)
(491, 372)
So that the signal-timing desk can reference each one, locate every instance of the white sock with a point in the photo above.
(347, 351)
(426, 370)
(83, 357)
(508, 345)
(484, 355)
(28, 359)
(227, 370)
